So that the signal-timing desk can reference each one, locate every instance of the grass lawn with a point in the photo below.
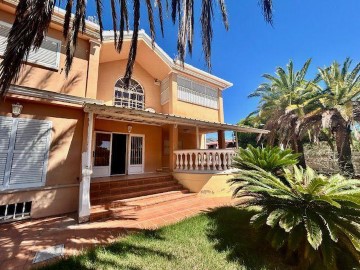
(221, 239)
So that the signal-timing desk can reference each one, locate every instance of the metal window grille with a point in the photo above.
(131, 97)
(136, 151)
(15, 211)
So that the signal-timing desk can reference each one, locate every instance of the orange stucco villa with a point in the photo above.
(69, 143)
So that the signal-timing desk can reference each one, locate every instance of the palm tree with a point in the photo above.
(338, 108)
(282, 103)
(34, 16)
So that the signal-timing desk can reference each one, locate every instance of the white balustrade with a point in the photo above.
(204, 160)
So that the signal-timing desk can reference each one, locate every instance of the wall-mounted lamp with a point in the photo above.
(157, 82)
(129, 128)
(16, 109)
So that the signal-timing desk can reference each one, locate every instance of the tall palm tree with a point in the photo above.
(282, 103)
(34, 16)
(338, 108)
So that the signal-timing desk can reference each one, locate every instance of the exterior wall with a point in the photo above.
(60, 194)
(187, 141)
(165, 147)
(196, 111)
(207, 185)
(153, 140)
(46, 203)
(39, 77)
(110, 72)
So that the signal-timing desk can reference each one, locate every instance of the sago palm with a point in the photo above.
(338, 108)
(312, 218)
(34, 16)
(271, 159)
(282, 101)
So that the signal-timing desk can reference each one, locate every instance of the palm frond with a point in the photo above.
(29, 28)
(312, 218)
(33, 19)
(207, 14)
(267, 8)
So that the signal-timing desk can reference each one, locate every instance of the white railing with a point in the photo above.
(204, 160)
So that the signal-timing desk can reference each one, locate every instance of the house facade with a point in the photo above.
(59, 134)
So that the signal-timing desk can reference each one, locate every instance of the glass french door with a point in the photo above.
(136, 154)
(102, 150)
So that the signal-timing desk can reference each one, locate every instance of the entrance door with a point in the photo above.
(102, 154)
(118, 156)
(136, 154)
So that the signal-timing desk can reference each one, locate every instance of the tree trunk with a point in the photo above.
(302, 162)
(297, 144)
(297, 147)
(343, 139)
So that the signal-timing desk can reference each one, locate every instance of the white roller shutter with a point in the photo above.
(196, 93)
(6, 125)
(4, 30)
(47, 55)
(28, 150)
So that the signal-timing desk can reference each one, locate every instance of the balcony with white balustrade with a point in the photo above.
(204, 160)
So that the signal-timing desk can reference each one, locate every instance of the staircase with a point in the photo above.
(112, 198)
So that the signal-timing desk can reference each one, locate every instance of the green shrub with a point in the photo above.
(315, 220)
(271, 159)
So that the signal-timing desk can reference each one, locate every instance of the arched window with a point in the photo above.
(129, 97)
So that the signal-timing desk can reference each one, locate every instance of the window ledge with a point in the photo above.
(43, 188)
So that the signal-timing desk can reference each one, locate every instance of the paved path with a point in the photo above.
(19, 241)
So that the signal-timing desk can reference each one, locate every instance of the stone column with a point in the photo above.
(84, 190)
(221, 139)
(173, 143)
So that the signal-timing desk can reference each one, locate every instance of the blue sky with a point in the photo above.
(324, 30)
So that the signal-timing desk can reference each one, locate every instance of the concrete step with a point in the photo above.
(129, 182)
(113, 197)
(119, 208)
(95, 194)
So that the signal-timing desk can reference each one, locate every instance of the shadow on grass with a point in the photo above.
(112, 256)
(230, 231)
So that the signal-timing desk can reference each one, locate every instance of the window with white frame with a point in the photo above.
(131, 96)
(24, 152)
(47, 55)
(196, 93)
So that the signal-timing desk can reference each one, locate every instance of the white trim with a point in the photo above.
(187, 69)
(49, 95)
(14, 190)
(91, 30)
